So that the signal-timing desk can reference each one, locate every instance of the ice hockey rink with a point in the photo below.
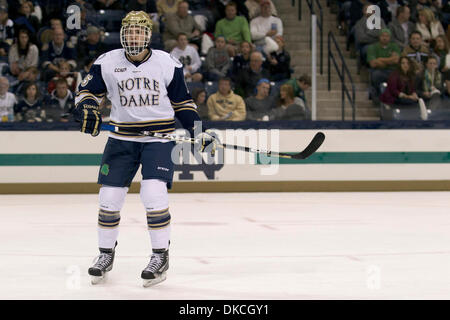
(235, 246)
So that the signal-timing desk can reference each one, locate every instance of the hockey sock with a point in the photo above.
(155, 198)
(158, 223)
(111, 201)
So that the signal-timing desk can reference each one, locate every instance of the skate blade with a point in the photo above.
(98, 280)
(151, 282)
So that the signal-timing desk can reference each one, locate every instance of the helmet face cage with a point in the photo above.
(135, 38)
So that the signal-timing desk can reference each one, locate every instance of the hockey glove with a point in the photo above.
(207, 142)
(90, 119)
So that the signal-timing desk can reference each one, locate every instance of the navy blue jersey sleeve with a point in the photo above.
(181, 99)
(92, 89)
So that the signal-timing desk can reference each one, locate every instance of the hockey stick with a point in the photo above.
(312, 147)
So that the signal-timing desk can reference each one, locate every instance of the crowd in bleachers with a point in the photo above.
(233, 55)
(408, 55)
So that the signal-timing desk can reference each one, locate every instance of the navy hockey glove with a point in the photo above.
(90, 119)
(207, 142)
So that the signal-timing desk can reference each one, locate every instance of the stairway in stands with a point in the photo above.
(296, 34)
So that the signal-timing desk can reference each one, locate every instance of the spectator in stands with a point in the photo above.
(59, 104)
(254, 8)
(431, 81)
(260, 106)
(108, 5)
(73, 79)
(56, 23)
(225, 104)
(299, 87)
(181, 22)
(279, 62)
(416, 51)
(31, 74)
(350, 12)
(418, 5)
(87, 18)
(428, 26)
(217, 60)
(382, 58)
(219, 8)
(242, 59)
(30, 108)
(248, 78)
(264, 29)
(401, 89)
(6, 32)
(22, 55)
(199, 97)
(148, 6)
(446, 17)
(356, 12)
(26, 19)
(56, 50)
(401, 27)
(52, 8)
(92, 47)
(446, 94)
(189, 57)
(7, 101)
(388, 9)
(234, 28)
(442, 51)
(45, 33)
(287, 108)
(86, 66)
(365, 36)
(166, 7)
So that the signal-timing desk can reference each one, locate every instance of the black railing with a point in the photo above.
(319, 25)
(341, 73)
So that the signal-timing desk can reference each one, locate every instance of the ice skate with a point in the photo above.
(103, 264)
(155, 272)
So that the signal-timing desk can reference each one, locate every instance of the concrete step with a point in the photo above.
(305, 37)
(337, 112)
(328, 23)
(322, 84)
(306, 45)
(305, 66)
(306, 53)
(324, 94)
(334, 78)
(305, 61)
(347, 118)
(335, 104)
(292, 17)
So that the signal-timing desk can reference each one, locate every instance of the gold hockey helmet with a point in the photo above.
(135, 32)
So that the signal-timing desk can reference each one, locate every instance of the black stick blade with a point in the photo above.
(312, 147)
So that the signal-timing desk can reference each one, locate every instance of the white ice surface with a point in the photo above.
(235, 246)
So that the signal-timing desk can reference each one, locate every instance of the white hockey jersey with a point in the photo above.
(144, 96)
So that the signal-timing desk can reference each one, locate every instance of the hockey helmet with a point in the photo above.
(135, 32)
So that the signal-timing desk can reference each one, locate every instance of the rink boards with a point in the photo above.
(349, 160)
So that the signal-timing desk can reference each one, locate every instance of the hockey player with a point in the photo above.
(147, 89)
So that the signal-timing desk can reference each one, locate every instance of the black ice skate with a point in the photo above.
(103, 264)
(155, 272)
